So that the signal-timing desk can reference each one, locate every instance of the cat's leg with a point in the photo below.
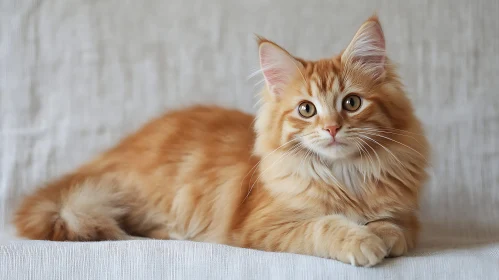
(399, 235)
(332, 236)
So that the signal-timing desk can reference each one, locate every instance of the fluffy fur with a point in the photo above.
(287, 184)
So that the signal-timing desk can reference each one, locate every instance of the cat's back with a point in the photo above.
(187, 165)
(192, 136)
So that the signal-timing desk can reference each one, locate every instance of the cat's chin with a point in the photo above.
(334, 151)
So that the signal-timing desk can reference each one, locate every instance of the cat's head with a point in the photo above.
(337, 107)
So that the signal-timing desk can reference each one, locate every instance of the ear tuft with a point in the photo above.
(279, 68)
(260, 40)
(367, 48)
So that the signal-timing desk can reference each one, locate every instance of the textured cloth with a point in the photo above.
(77, 75)
(191, 260)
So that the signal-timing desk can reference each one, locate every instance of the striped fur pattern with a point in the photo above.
(340, 184)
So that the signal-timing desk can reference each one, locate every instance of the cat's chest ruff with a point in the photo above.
(329, 190)
(325, 199)
(294, 178)
(346, 177)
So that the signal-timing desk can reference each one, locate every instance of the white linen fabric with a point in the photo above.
(190, 260)
(77, 75)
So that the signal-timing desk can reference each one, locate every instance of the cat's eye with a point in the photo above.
(307, 109)
(352, 103)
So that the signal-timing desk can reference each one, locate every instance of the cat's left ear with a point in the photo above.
(367, 49)
(278, 66)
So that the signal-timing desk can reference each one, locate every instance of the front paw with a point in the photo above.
(362, 248)
(392, 235)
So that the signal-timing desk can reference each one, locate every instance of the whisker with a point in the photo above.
(260, 70)
(374, 134)
(361, 158)
(386, 149)
(293, 149)
(397, 130)
(255, 167)
(259, 83)
(431, 167)
(304, 159)
(375, 153)
(384, 131)
(254, 74)
(258, 103)
(402, 165)
(368, 155)
(295, 139)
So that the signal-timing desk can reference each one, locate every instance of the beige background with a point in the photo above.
(76, 75)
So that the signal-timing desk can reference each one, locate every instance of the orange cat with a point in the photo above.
(332, 168)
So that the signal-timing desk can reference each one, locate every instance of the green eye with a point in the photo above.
(307, 109)
(352, 103)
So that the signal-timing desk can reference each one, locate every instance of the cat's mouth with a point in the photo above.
(335, 143)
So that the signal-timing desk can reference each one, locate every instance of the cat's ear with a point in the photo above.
(367, 49)
(279, 68)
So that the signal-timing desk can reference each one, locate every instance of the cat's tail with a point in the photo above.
(75, 208)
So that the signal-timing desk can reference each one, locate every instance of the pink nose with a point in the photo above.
(332, 129)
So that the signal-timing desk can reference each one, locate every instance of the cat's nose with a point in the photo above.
(332, 129)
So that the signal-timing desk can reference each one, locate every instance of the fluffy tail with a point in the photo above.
(74, 209)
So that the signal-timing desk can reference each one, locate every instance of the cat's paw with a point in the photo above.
(392, 235)
(363, 248)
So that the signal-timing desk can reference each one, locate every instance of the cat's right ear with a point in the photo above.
(279, 68)
(367, 49)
